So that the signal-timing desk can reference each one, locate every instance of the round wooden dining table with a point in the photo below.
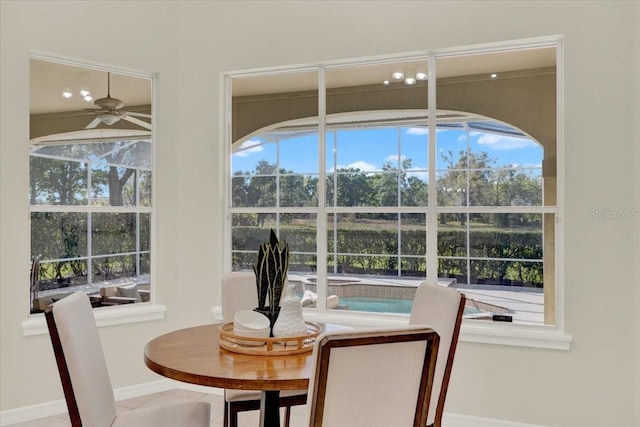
(193, 355)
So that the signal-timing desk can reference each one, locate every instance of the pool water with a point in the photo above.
(377, 305)
(386, 305)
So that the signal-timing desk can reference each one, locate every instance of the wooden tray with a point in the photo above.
(268, 346)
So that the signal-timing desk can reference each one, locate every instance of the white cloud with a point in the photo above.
(423, 130)
(249, 147)
(394, 158)
(501, 142)
(421, 174)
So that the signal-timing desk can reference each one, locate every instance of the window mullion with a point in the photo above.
(432, 218)
(321, 236)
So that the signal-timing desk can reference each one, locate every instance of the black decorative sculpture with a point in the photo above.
(271, 272)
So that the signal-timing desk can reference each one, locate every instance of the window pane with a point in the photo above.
(449, 268)
(452, 234)
(451, 146)
(113, 233)
(300, 232)
(363, 243)
(62, 274)
(254, 157)
(292, 144)
(298, 190)
(414, 161)
(452, 188)
(145, 186)
(500, 238)
(57, 235)
(145, 232)
(113, 267)
(352, 188)
(505, 150)
(511, 273)
(248, 232)
(113, 185)
(261, 191)
(57, 182)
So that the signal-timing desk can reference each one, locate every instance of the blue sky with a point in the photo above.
(370, 148)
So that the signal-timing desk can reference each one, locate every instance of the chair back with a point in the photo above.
(440, 308)
(238, 293)
(372, 378)
(81, 363)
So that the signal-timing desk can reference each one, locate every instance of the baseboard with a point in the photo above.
(56, 407)
(33, 412)
(457, 420)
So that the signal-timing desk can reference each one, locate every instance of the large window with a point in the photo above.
(90, 195)
(445, 173)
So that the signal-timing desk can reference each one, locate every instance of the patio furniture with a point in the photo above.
(373, 378)
(440, 308)
(85, 379)
(123, 293)
(239, 293)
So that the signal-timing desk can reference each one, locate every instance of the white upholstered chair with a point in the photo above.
(239, 293)
(440, 308)
(372, 378)
(85, 379)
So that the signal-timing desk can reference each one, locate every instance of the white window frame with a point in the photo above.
(537, 336)
(35, 324)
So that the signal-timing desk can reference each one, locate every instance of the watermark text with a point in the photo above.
(614, 213)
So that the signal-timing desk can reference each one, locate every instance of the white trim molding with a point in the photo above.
(457, 420)
(476, 331)
(107, 316)
(56, 407)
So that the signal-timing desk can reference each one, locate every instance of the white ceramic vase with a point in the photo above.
(290, 322)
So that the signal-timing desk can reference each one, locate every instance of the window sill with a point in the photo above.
(105, 316)
(475, 331)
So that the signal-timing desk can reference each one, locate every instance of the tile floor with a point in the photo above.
(245, 419)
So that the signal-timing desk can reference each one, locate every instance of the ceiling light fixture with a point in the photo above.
(410, 81)
(85, 92)
(67, 93)
(88, 98)
(494, 75)
(108, 119)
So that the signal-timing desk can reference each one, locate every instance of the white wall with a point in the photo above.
(636, 181)
(190, 43)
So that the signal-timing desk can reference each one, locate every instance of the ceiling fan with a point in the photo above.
(111, 111)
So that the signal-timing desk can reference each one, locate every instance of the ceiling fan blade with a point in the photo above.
(95, 122)
(138, 122)
(129, 113)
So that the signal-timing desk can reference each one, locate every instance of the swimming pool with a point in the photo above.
(387, 305)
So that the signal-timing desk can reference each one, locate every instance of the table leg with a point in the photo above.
(270, 408)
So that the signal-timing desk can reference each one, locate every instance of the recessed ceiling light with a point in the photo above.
(67, 93)
(410, 81)
(421, 76)
(386, 82)
(88, 98)
(494, 75)
(85, 92)
(398, 75)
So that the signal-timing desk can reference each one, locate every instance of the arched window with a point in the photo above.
(377, 186)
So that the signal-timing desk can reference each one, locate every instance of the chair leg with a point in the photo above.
(225, 418)
(233, 416)
(287, 415)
